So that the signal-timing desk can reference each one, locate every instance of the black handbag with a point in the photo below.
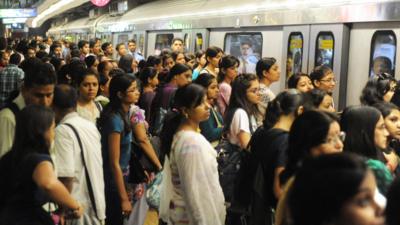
(144, 160)
(136, 170)
(229, 159)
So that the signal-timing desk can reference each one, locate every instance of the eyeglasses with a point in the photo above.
(384, 76)
(333, 80)
(340, 137)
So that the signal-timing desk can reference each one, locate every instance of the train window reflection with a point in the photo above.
(141, 43)
(247, 47)
(123, 38)
(199, 42)
(383, 52)
(186, 41)
(163, 41)
(294, 54)
(324, 50)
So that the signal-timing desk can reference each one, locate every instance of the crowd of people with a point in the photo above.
(94, 135)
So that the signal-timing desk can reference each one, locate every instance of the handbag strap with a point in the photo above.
(89, 183)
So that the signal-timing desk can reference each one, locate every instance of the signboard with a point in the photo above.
(14, 20)
(17, 13)
(100, 3)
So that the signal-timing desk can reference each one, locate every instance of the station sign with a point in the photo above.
(18, 13)
(100, 3)
(14, 20)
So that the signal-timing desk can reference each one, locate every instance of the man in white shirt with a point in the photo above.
(37, 89)
(83, 176)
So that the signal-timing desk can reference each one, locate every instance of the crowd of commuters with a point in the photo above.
(94, 135)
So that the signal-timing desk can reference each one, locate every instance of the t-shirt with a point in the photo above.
(266, 96)
(17, 184)
(115, 124)
(145, 101)
(270, 150)
(240, 122)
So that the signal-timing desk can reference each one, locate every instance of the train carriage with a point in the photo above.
(355, 38)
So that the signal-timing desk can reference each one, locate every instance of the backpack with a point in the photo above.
(229, 163)
(157, 121)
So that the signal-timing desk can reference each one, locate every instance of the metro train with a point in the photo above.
(356, 38)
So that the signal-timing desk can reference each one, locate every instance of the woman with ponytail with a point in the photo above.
(192, 193)
(269, 148)
(116, 137)
(213, 57)
(179, 76)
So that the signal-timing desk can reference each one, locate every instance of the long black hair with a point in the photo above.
(177, 69)
(31, 124)
(125, 63)
(308, 130)
(119, 83)
(239, 99)
(359, 123)
(212, 52)
(189, 97)
(146, 74)
(315, 98)
(227, 61)
(285, 103)
(323, 186)
(375, 89)
(264, 64)
(295, 78)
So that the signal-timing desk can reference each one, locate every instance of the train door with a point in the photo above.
(195, 40)
(373, 48)
(159, 40)
(329, 46)
(119, 38)
(201, 37)
(249, 45)
(295, 51)
(315, 45)
(140, 38)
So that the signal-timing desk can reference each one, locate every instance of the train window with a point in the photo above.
(383, 52)
(247, 47)
(324, 49)
(186, 41)
(123, 38)
(294, 54)
(141, 43)
(163, 41)
(199, 42)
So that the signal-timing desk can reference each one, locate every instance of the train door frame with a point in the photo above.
(341, 37)
(143, 49)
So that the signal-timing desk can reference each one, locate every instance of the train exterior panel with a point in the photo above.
(353, 37)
